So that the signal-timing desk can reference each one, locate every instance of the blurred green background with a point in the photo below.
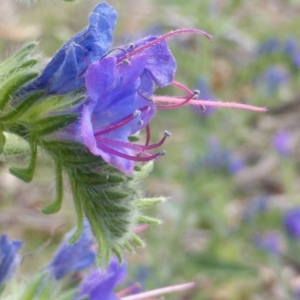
(229, 183)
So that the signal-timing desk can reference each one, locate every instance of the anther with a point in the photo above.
(202, 108)
(196, 92)
(136, 113)
(140, 122)
(167, 133)
(131, 45)
(162, 153)
(112, 50)
(126, 62)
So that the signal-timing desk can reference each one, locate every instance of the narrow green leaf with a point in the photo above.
(56, 205)
(12, 85)
(26, 174)
(19, 110)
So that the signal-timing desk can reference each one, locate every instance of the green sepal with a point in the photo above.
(28, 64)
(79, 213)
(149, 202)
(56, 205)
(20, 109)
(136, 240)
(51, 124)
(148, 220)
(11, 85)
(13, 63)
(26, 174)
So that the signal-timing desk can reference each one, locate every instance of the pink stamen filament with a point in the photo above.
(162, 38)
(131, 157)
(159, 292)
(179, 104)
(134, 147)
(148, 135)
(182, 87)
(180, 101)
(122, 122)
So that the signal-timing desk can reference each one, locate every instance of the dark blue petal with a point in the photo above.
(74, 257)
(64, 73)
(9, 259)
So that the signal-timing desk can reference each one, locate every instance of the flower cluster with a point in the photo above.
(85, 110)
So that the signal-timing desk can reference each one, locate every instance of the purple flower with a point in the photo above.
(281, 143)
(291, 222)
(65, 71)
(269, 46)
(297, 59)
(9, 259)
(100, 284)
(269, 242)
(74, 257)
(119, 103)
(272, 78)
(118, 106)
(254, 207)
(218, 157)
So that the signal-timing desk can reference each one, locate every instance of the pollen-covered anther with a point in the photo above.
(167, 133)
(196, 94)
(162, 153)
(126, 62)
(136, 113)
(202, 108)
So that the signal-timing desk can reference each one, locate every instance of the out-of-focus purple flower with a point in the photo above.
(205, 94)
(272, 78)
(291, 222)
(269, 242)
(9, 259)
(269, 46)
(100, 284)
(65, 71)
(255, 206)
(290, 47)
(218, 157)
(281, 143)
(71, 258)
(297, 59)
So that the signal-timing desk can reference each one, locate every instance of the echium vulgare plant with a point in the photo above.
(84, 110)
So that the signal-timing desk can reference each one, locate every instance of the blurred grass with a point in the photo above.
(204, 237)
